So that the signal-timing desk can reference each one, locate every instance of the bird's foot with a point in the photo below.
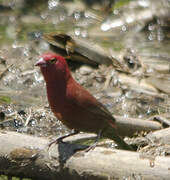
(91, 147)
(56, 141)
(60, 139)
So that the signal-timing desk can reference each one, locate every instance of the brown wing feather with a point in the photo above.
(81, 97)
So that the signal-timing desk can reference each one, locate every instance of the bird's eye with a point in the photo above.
(53, 61)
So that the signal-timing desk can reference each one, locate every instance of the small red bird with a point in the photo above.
(74, 105)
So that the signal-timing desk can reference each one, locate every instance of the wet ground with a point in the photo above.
(134, 35)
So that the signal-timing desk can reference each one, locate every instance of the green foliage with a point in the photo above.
(120, 3)
(3, 177)
(5, 100)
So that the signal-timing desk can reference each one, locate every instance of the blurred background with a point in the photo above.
(118, 49)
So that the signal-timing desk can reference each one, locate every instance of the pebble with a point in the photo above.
(85, 70)
(114, 92)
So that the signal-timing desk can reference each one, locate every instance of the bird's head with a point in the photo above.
(53, 66)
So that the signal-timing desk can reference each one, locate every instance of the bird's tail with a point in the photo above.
(112, 134)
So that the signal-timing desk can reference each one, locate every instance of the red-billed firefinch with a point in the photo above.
(74, 105)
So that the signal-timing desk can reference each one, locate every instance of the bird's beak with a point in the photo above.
(41, 62)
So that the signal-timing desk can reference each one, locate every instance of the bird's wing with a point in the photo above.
(82, 98)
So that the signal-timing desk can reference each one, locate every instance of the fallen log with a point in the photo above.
(28, 156)
(129, 126)
(161, 136)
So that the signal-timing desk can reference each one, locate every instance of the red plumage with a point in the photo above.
(74, 105)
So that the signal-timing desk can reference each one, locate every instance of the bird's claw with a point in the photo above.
(52, 142)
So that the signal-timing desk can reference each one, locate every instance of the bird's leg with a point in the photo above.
(60, 139)
(96, 141)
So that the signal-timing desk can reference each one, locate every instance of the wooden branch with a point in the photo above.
(27, 156)
(161, 136)
(161, 118)
(134, 125)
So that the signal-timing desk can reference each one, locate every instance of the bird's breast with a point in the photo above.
(73, 115)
